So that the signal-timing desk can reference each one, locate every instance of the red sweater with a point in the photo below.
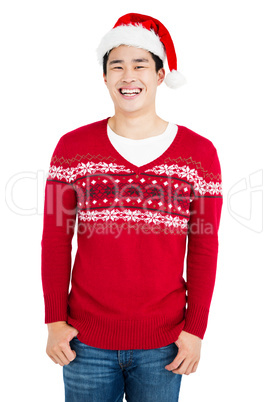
(135, 228)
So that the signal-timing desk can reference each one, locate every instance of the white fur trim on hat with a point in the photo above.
(174, 79)
(131, 35)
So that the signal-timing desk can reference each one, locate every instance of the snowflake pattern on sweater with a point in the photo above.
(102, 185)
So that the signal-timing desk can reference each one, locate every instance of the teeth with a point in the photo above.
(130, 91)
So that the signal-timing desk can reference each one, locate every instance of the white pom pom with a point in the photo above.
(175, 79)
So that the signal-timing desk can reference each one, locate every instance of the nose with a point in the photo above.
(128, 79)
(128, 76)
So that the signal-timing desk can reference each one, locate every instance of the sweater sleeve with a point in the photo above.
(202, 249)
(58, 228)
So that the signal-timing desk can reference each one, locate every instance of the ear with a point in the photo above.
(105, 80)
(161, 76)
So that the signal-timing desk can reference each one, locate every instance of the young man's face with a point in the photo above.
(132, 68)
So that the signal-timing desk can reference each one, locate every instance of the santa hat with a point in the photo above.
(144, 32)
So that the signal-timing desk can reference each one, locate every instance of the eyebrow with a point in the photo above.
(143, 60)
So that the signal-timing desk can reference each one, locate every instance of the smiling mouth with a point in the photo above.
(130, 93)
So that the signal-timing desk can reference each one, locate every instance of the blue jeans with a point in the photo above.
(102, 375)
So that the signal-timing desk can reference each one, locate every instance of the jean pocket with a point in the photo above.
(167, 346)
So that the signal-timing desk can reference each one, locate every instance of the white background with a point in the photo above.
(51, 83)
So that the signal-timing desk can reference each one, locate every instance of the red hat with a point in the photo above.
(144, 32)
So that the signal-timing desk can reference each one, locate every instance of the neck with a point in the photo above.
(137, 126)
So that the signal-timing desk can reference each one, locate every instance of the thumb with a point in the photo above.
(72, 334)
(75, 332)
(74, 354)
(71, 354)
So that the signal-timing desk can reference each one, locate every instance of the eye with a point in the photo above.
(139, 66)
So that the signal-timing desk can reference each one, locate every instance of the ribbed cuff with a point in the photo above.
(55, 307)
(196, 320)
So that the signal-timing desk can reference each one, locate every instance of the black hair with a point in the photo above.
(157, 60)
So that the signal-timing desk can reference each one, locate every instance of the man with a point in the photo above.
(140, 187)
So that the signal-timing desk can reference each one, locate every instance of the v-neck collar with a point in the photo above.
(138, 169)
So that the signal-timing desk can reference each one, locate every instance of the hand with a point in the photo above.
(58, 348)
(188, 356)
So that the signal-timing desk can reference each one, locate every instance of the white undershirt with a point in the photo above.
(140, 152)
